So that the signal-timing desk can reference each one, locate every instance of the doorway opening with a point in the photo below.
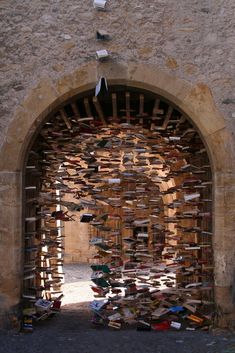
(121, 181)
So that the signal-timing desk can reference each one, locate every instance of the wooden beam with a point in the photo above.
(128, 107)
(99, 109)
(75, 110)
(156, 107)
(156, 111)
(167, 118)
(77, 114)
(141, 109)
(87, 107)
(181, 121)
(65, 118)
(114, 105)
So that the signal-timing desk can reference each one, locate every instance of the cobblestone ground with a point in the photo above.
(71, 331)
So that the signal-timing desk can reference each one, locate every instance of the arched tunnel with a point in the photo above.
(136, 171)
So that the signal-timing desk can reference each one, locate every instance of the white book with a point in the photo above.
(142, 235)
(191, 285)
(30, 219)
(43, 304)
(101, 54)
(176, 325)
(193, 196)
(174, 138)
(192, 248)
(114, 317)
(98, 304)
(99, 4)
(114, 181)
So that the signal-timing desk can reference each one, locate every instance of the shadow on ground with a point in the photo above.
(71, 331)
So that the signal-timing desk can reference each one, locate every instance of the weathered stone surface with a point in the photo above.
(77, 247)
(194, 42)
(11, 239)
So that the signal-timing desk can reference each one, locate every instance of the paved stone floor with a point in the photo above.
(71, 331)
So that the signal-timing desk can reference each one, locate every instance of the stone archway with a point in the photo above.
(195, 101)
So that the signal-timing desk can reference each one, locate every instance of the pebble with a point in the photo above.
(66, 36)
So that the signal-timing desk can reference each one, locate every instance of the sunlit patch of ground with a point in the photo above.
(77, 286)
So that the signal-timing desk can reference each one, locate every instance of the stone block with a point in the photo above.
(153, 78)
(207, 118)
(221, 150)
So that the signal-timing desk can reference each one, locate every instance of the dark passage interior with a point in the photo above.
(138, 173)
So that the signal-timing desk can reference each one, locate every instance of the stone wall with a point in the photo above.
(77, 247)
(193, 40)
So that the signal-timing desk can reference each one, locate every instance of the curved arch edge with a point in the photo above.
(195, 101)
